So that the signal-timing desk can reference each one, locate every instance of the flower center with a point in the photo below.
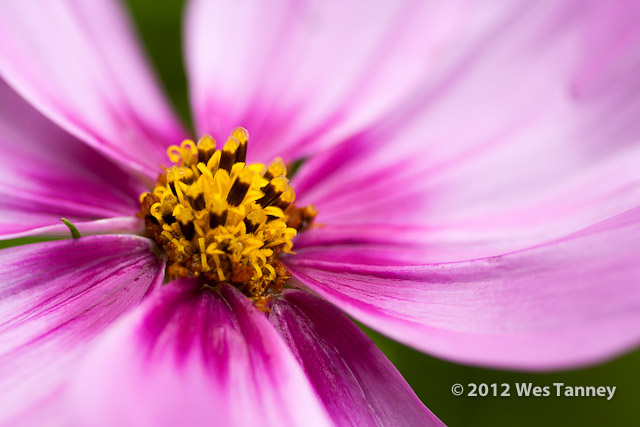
(217, 218)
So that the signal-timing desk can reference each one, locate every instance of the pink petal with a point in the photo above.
(48, 174)
(357, 383)
(193, 356)
(564, 304)
(55, 298)
(303, 74)
(390, 217)
(22, 226)
(80, 64)
(530, 135)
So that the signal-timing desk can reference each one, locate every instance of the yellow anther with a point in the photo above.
(228, 155)
(217, 218)
(241, 134)
(257, 168)
(288, 196)
(275, 169)
(274, 211)
(182, 214)
(206, 148)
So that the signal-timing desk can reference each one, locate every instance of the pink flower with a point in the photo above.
(474, 167)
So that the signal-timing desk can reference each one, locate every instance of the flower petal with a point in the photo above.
(190, 356)
(80, 64)
(529, 136)
(397, 223)
(55, 297)
(303, 74)
(568, 303)
(357, 383)
(22, 226)
(47, 174)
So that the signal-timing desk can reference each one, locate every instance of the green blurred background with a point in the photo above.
(160, 27)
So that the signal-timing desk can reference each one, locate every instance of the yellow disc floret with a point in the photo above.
(217, 218)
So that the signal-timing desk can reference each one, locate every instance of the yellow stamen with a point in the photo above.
(217, 218)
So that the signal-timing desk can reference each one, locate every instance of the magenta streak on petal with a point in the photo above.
(306, 65)
(61, 56)
(590, 196)
(55, 297)
(529, 136)
(567, 303)
(357, 383)
(47, 174)
(377, 219)
(189, 356)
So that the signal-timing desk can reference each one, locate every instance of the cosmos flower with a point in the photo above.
(468, 185)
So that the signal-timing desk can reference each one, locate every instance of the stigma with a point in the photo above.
(220, 219)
